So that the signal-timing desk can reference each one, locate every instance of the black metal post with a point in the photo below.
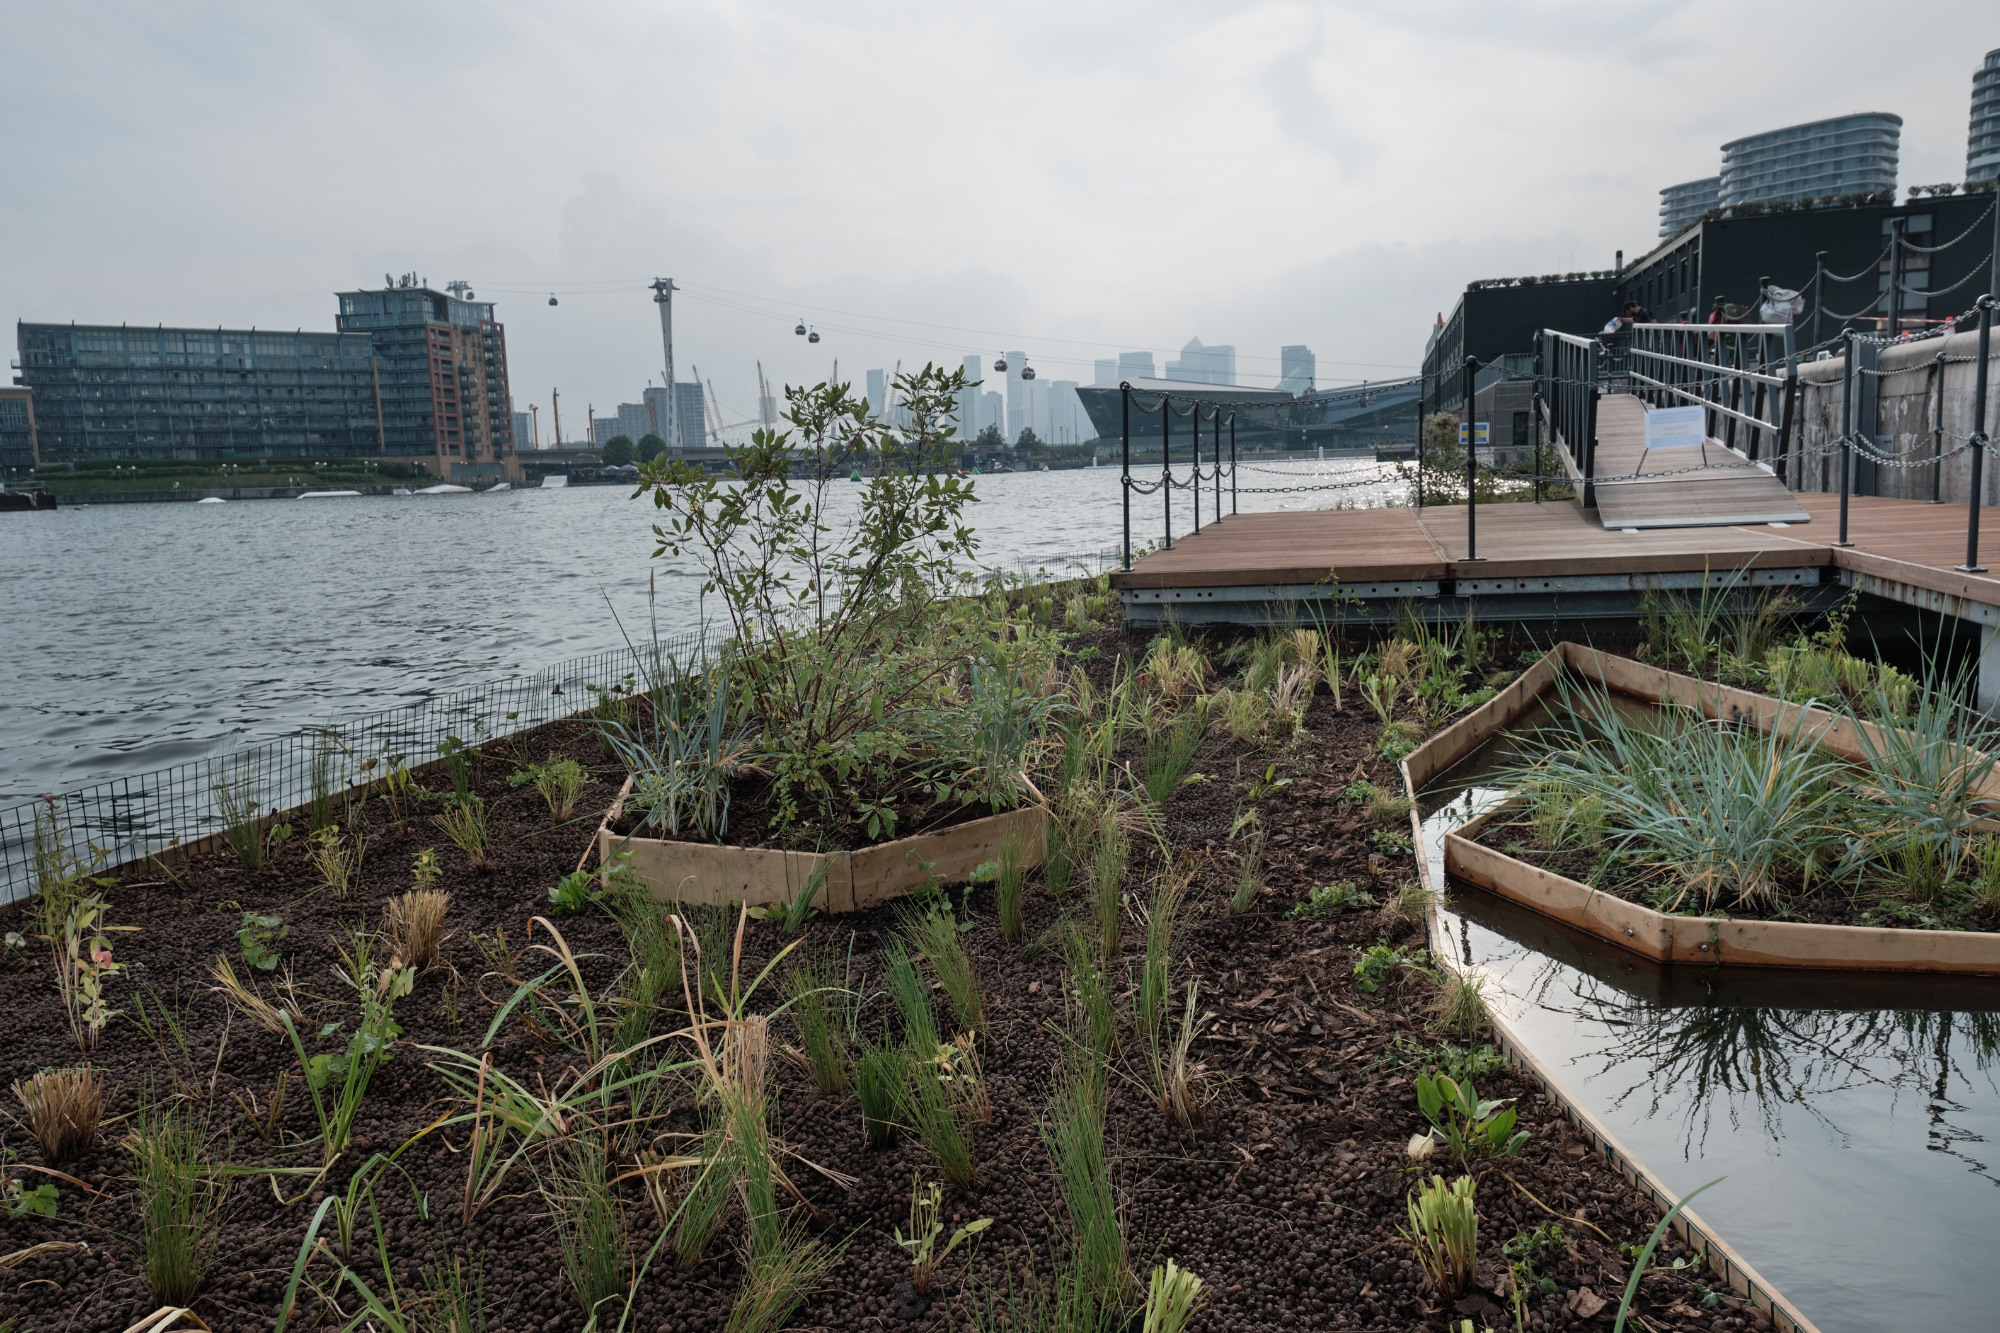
(1420, 445)
(1819, 292)
(1218, 462)
(1937, 439)
(1471, 466)
(1535, 422)
(1194, 430)
(1786, 411)
(1895, 310)
(1167, 463)
(1846, 430)
(1125, 461)
(1978, 441)
(1232, 462)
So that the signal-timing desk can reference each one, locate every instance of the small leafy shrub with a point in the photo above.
(1470, 1126)
(260, 937)
(1444, 1231)
(83, 965)
(559, 782)
(1399, 741)
(337, 858)
(1391, 841)
(1360, 792)
(1379, 962)
(1462, 1063)
(926, 1226)
(1328, 899)
(63, 1108)
(576, 892)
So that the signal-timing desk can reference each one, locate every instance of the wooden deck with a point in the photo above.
(1749, 494)
(1903, 542)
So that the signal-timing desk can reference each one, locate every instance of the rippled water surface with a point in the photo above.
(137, 636)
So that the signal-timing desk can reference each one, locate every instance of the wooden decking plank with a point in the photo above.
(1293, 547)
(1721, 499)
(1555, 538)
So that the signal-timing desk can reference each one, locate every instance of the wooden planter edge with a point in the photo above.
(699, 872)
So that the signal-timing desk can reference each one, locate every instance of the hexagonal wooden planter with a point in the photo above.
(1656, 935)
(701, 872)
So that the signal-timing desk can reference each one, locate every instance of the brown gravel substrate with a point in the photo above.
(1286, 1201)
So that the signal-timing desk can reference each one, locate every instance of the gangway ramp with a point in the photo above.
(1714, 487)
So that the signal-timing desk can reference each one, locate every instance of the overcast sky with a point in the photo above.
(916, 180)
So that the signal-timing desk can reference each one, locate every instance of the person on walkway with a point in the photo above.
(1718, 313)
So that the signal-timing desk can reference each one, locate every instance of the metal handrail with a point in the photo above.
(1743, 375)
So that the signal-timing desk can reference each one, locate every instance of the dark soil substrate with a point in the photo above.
(1286, 1202)
(1820, 907)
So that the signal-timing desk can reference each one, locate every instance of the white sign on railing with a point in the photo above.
(1676, 427)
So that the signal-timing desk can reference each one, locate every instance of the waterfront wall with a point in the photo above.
(1904, 417)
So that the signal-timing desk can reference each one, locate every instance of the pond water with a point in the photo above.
(135, 636)
(1856, 1119)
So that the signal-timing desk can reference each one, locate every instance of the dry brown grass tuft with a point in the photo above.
(63, 1107)
(413, 925)
(247, 1000)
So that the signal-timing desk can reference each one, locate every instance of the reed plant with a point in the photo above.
(1090, 1013)
(934, 933)
(941, 1118)
(707, 1197)
(1444, 1232)
(181, 1200)
(822, 1008)
(1249, 875)
(1163, 923)
(589, 1223)
(464, 824)
(1460, 1009)
(63, 1108)
(1107, 876)
(778, 1275)
(1170, 751)
(1010, 873)
(880, 1075)
(240, 802)
(1073, 1133)
(912, 997)
(454, 1297)
(413, 927)
(1064, 1303)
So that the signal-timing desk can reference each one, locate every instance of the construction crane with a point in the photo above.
(767, 409)
(708, 407)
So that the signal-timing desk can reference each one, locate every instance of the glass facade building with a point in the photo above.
(105, 391)
(1982, 147)
(1681, 204)
(17, 430)
(442, 370)
(1842, 155)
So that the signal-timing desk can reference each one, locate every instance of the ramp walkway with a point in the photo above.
(1720, 488)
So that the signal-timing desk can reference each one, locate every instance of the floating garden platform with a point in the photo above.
(1470, 853)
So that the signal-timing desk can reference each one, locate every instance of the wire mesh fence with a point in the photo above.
(126, 818)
